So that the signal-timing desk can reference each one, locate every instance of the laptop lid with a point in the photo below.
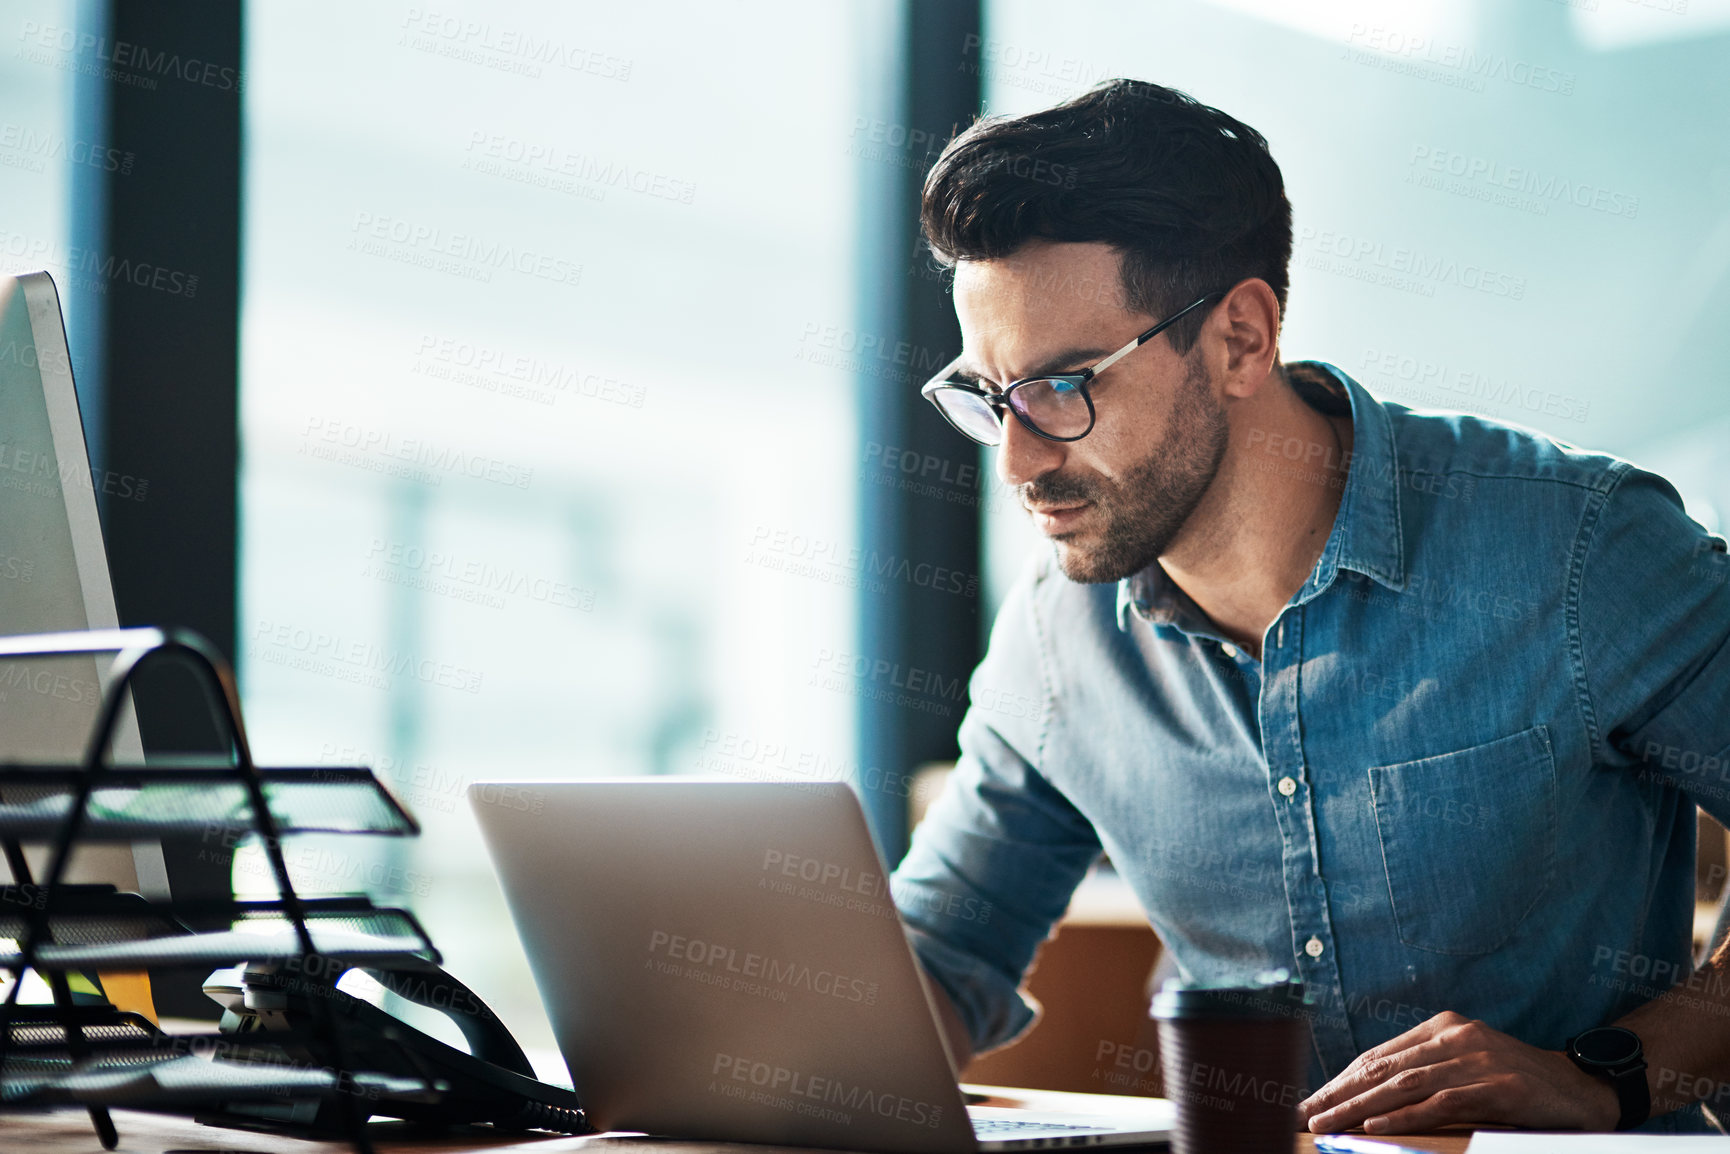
(722, 960)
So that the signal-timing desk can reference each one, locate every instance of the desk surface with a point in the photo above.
(69, 1132)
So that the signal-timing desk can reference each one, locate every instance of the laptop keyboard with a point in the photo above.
(988, 1127)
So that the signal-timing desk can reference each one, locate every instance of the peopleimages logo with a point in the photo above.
(470, 579)
(1492, 177)
(1432, 381)
(504, 48)
(38, 472)
(730, 961)
(874, 354)
(27, 148)
(550, 165)
(47, 683)
(363, 662)
(459, 253)
(381, 450)
(123, 61)
(1457, 65)
(422, 785)
(494, 370)
(792, 1085)
(1035, 69)
(879, 679)
(834, 562)
(1400, 266)
(96, 269)
(824, 873)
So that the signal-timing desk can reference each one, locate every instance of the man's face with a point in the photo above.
(1114, 501)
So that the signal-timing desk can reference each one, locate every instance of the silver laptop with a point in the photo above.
(722, 960)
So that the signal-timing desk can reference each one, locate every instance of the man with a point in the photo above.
(1415, 706)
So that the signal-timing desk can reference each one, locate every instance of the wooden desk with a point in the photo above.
(68, 1132)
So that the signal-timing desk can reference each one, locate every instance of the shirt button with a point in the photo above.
(1314, 947)
(1228, 648)
(1287, 787)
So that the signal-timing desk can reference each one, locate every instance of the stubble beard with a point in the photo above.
(1144, 511)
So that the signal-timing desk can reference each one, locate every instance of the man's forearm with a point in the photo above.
(954, 1032)
(1685, 1033)
(1451, 1069)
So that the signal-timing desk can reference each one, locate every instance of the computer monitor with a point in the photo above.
(53, 567)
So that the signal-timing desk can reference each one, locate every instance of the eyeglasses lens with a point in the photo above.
(970, 413)
(1056, 407)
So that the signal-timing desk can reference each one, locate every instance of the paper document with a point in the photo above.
(1527, 1142)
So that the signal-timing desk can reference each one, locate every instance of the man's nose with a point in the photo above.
(1024, 455)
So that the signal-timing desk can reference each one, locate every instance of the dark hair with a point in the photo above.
(1190, 197)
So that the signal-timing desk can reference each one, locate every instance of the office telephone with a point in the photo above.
(270, 1005)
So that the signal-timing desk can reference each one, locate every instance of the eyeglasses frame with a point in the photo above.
(998, 399)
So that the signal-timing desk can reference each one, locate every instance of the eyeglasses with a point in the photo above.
(1057, 407)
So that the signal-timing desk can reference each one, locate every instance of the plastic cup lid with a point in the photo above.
(1272, 995)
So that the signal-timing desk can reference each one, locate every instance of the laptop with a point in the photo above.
(722, 960)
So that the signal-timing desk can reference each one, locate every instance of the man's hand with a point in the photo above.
(1453, 1069)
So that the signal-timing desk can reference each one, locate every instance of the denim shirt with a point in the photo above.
(1461, 777)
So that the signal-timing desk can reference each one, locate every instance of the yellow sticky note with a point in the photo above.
(130, 990)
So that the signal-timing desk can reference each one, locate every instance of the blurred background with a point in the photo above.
(545, 401)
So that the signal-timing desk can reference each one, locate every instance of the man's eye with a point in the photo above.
(1064, 386)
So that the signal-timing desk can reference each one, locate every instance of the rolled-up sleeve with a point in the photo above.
(1654, 629)
(1000, 852)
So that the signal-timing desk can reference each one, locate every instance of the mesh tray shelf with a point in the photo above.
(179, 1083)
(225, 948)
(90, 915)
(133, 802)
(94, 927)
(98, 1057)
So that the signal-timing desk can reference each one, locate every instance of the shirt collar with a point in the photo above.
(1367, 536)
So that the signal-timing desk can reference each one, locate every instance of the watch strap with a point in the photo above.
(1628, 1079)
(1633, 1093)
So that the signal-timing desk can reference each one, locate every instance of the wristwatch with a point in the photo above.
(1615, 1054)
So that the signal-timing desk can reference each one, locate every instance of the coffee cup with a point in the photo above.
(1234, 1062)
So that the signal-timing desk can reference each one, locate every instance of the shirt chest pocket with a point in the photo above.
(1468, 841)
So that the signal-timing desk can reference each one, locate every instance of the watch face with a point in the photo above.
(1607, 1045)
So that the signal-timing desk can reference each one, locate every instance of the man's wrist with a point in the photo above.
(1603, 1106)
(1615, 1057)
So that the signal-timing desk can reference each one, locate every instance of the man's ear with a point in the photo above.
(1245, 328)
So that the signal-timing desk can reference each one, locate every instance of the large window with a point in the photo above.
(1518, 209)
(537, 399)
(551, 349)
(42, 147)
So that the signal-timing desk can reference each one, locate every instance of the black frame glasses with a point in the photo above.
(976, 410)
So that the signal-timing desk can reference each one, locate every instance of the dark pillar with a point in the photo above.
(918, 624)
(153, 294)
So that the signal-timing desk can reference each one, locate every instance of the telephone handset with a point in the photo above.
(271, 1004)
